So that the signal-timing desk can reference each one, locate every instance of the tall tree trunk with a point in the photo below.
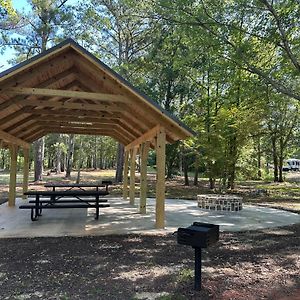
(38, 159)
(120, 163)
(58, 156)
(212, 183)
(232, 162)
(275, 158)
(212, 180)
(258, 158)
(280, 156)
(95, 161)
(185, 170)
(70, 155)
(79, 169)
(196, 169)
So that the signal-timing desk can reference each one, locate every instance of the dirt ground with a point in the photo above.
(263, 264)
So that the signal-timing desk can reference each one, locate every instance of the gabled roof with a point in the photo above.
(66, 89)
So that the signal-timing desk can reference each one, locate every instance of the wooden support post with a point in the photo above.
(143, 188)
(25, 172)
(125, 176)
(132, 175)
(13, 175)
(160, 178)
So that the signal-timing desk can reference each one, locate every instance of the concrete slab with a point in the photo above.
(123, 218)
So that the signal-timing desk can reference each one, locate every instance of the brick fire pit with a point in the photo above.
(220, 202)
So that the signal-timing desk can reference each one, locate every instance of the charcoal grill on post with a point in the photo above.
(199, 235)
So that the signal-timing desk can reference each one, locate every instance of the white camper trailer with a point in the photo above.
(291, 164)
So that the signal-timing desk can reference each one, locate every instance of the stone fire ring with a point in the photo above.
(220, 202)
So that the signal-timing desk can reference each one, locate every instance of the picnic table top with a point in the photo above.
(67, 193)
(76, 184)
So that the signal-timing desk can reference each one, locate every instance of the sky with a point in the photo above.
(9, 53)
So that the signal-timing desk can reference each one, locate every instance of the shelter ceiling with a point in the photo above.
(67, 90)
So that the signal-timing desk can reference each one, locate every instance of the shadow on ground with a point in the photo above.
(248, 265)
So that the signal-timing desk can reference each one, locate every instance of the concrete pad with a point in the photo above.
(123, 218)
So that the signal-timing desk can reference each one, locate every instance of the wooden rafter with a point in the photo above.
(65, 112)
(67, 94)
(69, 105)
(103, 120)
(148, 136)
(10, 139)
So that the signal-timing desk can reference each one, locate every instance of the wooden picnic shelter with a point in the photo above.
(66, 89)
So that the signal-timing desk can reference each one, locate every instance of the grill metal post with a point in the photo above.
(198, 269)
(198, 235)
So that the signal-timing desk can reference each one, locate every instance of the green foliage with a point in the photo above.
(229, 69)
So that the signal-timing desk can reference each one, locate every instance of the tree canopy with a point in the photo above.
(229, 69)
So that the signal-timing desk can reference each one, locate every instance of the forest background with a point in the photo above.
(228, 69)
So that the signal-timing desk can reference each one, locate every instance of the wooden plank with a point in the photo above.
(143, 184)
(125, 176)
(66, 94)
(13, 175)
(35, 136)
(73, 113)
(112, 133)
(160, 178)
(57, 126)
(11, 117)
(35, 76)
(23, 131)
(69, 105)
(25, 172)
(77, 124)
(143, 138)
(105, 120)
(62, 79)
(132, 175)
(13, 140)
(19, 125)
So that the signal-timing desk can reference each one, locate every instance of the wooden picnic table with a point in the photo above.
(81, 186)
(55, 200)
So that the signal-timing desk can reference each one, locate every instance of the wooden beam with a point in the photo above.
(160, 178)
(13, 140)
(13, 175)
(112, 133)
(70, 105)
(86, 119)
(148, 136)
(65, 77)
(35, 135)
(25, 172)
(29, 129)
(125, 176)
(51, 63)
(89, 127)
(11, 116)
(143, 185)
(132, 175)
(77, 124)
(21, 123)
(66, 94)
(73, 113)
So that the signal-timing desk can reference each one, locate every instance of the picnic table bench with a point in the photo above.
(81, 199)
